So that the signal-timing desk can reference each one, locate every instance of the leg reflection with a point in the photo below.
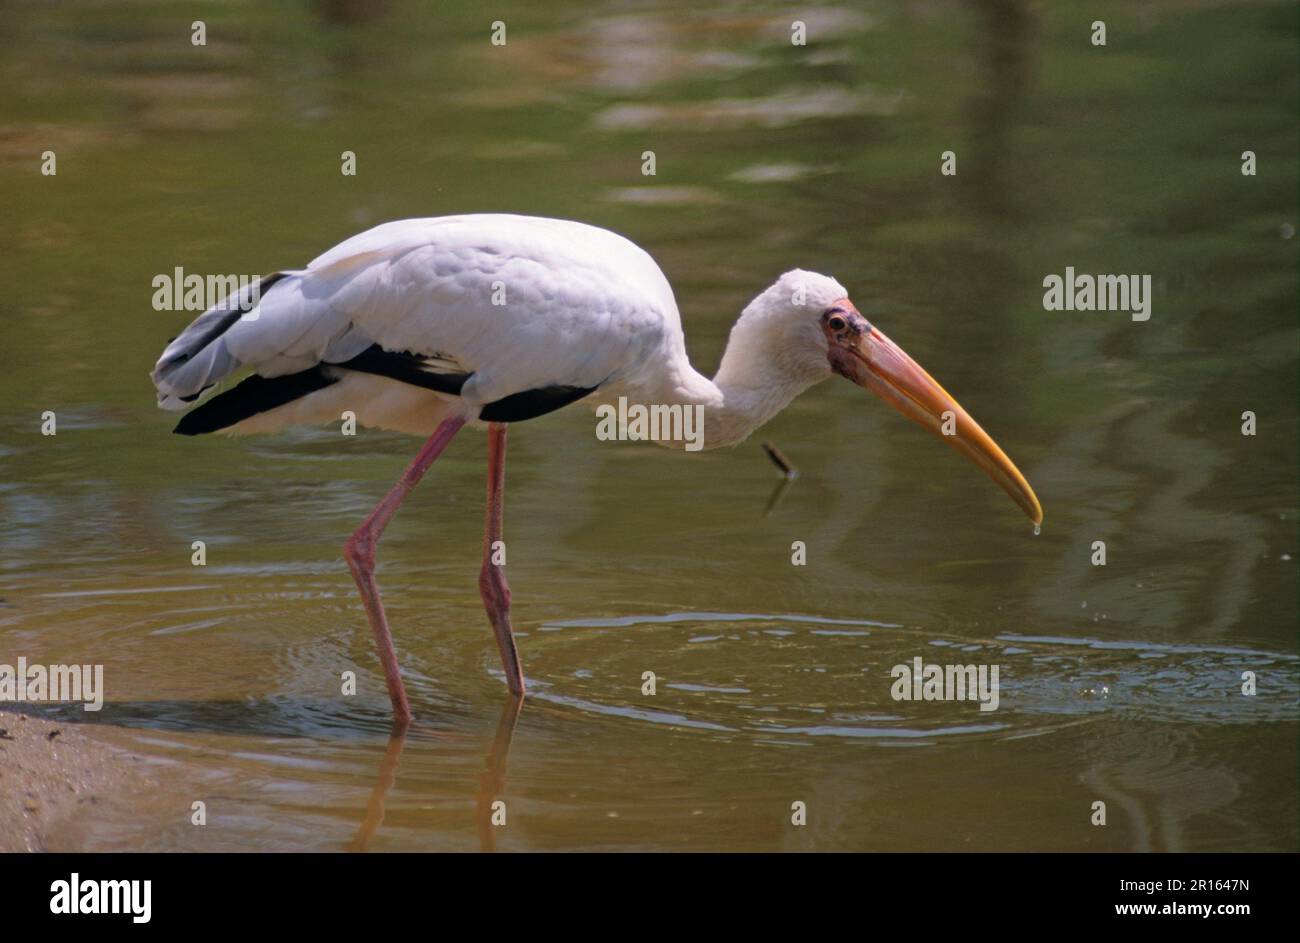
(387, 776)
(492, 780)
(491, 783)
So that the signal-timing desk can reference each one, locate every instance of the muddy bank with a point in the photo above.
(56, 781)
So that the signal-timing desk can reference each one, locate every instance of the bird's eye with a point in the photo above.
(836, 323)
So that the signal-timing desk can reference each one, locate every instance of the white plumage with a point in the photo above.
(518, 302)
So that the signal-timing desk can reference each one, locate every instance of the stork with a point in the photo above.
(425, 325)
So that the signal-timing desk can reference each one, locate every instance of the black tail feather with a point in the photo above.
(257, 394)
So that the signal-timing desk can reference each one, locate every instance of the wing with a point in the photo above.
(508, 303)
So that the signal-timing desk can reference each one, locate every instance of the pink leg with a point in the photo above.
(492, 578)
(360, 553)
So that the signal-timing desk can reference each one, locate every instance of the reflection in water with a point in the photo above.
(1006, 31)
(788, 475)
(491, 783)
(1161, 787)
(383, 785)
(778, 492)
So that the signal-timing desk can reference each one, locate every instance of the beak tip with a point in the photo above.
(882, 367)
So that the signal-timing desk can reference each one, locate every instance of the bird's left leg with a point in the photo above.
(492, 584)
(359, 551)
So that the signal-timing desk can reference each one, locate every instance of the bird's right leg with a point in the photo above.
(492, 583)
(360, 554)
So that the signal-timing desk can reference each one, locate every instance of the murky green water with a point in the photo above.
(1119, 684)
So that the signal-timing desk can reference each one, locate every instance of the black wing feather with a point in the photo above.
(256, 394)
(407, 368)
(529, 404)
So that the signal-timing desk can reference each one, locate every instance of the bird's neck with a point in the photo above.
(747, 403)
(744, 394)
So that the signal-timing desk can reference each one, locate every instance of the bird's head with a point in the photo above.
(808, 329)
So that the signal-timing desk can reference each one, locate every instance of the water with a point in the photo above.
(772, 680)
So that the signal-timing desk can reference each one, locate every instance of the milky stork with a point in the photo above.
(424, 325)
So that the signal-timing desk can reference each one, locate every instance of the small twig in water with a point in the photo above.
(780, 461)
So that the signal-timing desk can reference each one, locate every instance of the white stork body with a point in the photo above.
(519, 303)
(423, 325)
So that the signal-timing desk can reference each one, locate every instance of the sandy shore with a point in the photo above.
(56, 780)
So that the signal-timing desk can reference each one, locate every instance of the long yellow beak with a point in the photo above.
(876, 363)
